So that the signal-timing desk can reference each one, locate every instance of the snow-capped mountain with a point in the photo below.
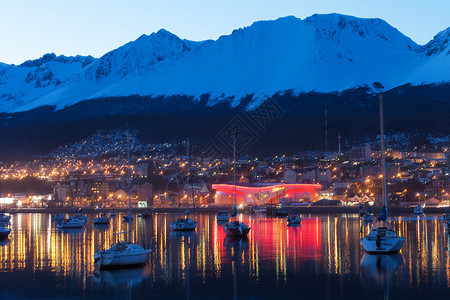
(321, 53)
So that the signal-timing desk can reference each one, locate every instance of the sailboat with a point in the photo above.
(123, 254)
(235, 228)
(185, 224)
(382, 239)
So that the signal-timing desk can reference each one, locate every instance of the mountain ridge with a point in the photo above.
(323, 53)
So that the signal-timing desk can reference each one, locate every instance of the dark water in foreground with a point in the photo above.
(321, 259)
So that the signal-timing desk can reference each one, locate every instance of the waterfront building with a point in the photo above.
(266, 193)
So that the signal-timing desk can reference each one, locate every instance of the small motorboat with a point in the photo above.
(294, 220)
(222, 216)
(128, 218)
(71, 222)
(123, 255)
(80, 216)
(260, 210)
(236, 228)
(145, 214)
(101, 220)
(418, 210)
(4, 232)
(281, 212)
(183, 224)
(367, 217)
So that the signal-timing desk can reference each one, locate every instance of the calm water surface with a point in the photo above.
(320, 259)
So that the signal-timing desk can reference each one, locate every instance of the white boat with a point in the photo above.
(122, 254)
(367, 217)
(183, 224)
(382, 239)
(71, 222)
(418, 210)
(4, 232)
(222, 216)
(260, 210)
(101, 220)
(294, 220)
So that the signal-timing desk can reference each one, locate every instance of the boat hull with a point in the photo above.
(183, 227)
(5, 233)
(240, 232)
(387, 246)
(111, 261)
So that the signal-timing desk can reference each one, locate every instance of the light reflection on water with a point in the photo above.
(321, 258)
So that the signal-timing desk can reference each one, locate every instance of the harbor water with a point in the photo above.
(320, 259)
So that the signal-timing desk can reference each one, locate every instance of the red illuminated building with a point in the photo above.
(266, 193)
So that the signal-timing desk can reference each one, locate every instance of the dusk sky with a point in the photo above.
(31, 28)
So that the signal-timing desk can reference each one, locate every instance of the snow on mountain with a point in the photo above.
(20, 85)
(321, 53)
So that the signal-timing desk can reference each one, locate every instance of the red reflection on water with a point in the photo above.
(272, 238)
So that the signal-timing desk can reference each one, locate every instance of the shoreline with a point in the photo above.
(302, 210)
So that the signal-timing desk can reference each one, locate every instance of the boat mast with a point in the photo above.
(188, 175)
(383, 158)
(129, 186)
(234, 169)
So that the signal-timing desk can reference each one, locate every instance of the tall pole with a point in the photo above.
(129, 173)
(188, 175)
(383, 167)
(339, 137)
(234, 170)
(326, 130)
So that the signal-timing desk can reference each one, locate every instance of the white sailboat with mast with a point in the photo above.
(186, 224)
(123, 254)
(235, 228)
(382, 239)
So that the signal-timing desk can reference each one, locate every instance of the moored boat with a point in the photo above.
(185, 224)
(71, 222)
(382, 239)
(260, 210)
(418, 210)
(236, 228)
(101, 220)
(4, 217)
(222, 216)
(294, 220)
(121, 255)
(367, 217)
